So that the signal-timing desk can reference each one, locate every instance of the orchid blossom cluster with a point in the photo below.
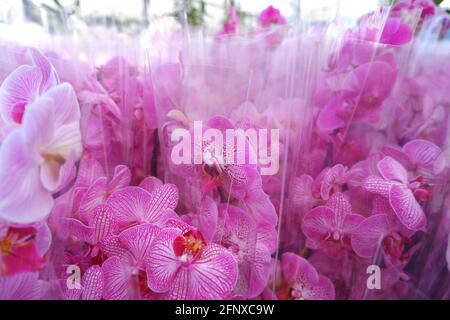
(92, 205)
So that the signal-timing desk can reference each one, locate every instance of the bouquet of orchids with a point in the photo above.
(291, 162)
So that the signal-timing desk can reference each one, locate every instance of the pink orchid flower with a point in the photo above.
(418, 156)
(42, 152)
(330, 181)
(24, 85)
(395, 185)
(231, 25)
(252, 242)
(271, 16)
(92, 286)
(381, 233)
(395, 32)
(23, 249)
(302, 280)
(102, 189)
(393, 285)
(135, 205)
(181, 265)
(361, 96)
(205, 219)
(23, 286)
(124, 270)
(102, 224)
(331, 226)
(240, 181)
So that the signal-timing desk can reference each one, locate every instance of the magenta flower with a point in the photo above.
(252, 241)
(102, 224)
(182, 266)
(24, 85)
(23, 248)
(91, 286)
(205, 219)
(271, 16)
(381, 232)
(128, 255)
(134, 205)
(102, 189)
(23, 286)
(330, 181)
(231, 25)
(240, 181)
(331, 226)
(395, 32)
(395, 185)
(361, 96)
(42, 152)
(302, 280)
(420, 157)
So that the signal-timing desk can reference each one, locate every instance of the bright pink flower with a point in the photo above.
(102, 224)
(240, 181)
(330, 181)
(42, 152)
(205, 219)
(182, 266)
(23, 249)
(102, 189)
(381, 233)
(23, 286)
(361, 96)
(331, 226)
(91, 286)
(252, 241)
(231, 26)
(394, 285)
(24, 85)
(128, 255)
(420, 157)
(395, 185)
(395, 32)
(271, 16)
(302, 280)
(134, 205)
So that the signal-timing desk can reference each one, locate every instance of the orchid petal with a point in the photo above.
(298, 271)
(422, 153)
(323, 290)
(20, 87)
(405, 206)
(92, 284)
(391, 169)
(367, 237)
(138, 240)
(22, 197)
(377, 185)
(214, 275)
(318, 223)
(131, 204)
(118, 280)
(163, 266)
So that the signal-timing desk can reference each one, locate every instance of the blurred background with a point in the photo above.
(133, 16)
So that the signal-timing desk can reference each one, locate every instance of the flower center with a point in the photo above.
(189, 244)
(5, 246)
(49, 157)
